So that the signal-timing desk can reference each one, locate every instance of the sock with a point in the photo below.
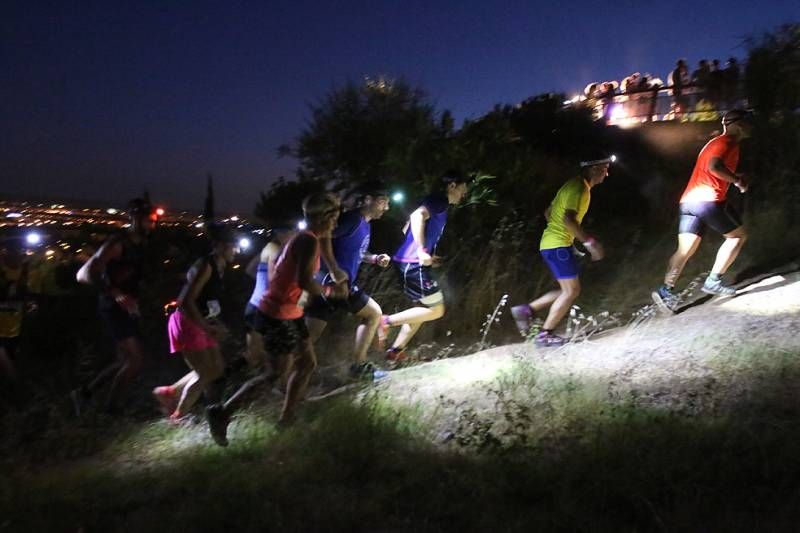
(714, 276)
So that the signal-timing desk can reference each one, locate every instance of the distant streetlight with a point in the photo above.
(244, 243)
(302, 225)
(398, 197)
(33, 238)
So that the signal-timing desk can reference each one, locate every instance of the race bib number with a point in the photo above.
(214, 309)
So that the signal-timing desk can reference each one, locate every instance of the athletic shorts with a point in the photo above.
(118, 322)
(419, 285)
(186, 336)
(697, 216)
(562, 262)
(281, 337)
(324, 308)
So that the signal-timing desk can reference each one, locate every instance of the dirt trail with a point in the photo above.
(676, 362)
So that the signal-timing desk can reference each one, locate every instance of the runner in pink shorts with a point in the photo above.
(194, 331)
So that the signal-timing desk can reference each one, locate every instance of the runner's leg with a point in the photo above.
(544, 301)
(315, 328)
(687, 246)
(570, 290)
(207, 366)
(303, 365)
(729, 250)
(370, 316)
(132, 356)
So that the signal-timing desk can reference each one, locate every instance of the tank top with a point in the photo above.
(284, 292)
(350, 242)
(208, 300)
(437, 205)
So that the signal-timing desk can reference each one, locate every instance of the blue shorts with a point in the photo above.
(561, 262)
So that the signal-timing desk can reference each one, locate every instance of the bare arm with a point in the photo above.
(417, 221)
(594, 248)
(305, 248)
(574, 227)
(718, 169)
(94, 271)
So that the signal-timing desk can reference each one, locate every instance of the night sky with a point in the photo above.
(98, 102)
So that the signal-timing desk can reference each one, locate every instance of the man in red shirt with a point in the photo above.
(704, 205)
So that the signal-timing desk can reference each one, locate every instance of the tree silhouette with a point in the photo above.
(376, 129)
(208, 208)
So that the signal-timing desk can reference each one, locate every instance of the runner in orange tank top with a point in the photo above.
(279, 318)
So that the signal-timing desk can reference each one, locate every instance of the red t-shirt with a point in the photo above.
(280, 299)
(704, 186)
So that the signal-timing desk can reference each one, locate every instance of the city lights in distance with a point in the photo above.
(14, 215)
(111, 211)
(160, 211)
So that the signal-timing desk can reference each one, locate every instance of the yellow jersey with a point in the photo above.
(574, 195)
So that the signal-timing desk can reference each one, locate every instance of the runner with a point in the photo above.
(195, 332)
(564, 218)
(280, 315)
(15, 296)
(414, 260)
(704, 205)
(347, 248)
(262, 268)
(116, 270)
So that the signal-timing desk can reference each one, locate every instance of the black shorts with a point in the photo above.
(324, 308)
(118, 322)
(697, 216)
(281, 337)
(419, 285)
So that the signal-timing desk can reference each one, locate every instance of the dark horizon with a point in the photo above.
(107, 101)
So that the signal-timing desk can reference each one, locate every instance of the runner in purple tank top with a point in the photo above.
(414, 260)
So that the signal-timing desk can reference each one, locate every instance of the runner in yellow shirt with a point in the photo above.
(564, 217)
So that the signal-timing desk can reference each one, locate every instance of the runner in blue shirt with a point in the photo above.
(414, 260)
(347, 248)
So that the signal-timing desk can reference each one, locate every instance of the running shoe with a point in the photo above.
(167, 398)
(218, 423)
(396, 355)
(367, 371)
(717, 287)
(549, 339)
(383, 331)
(522, 315)
(665, 299)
